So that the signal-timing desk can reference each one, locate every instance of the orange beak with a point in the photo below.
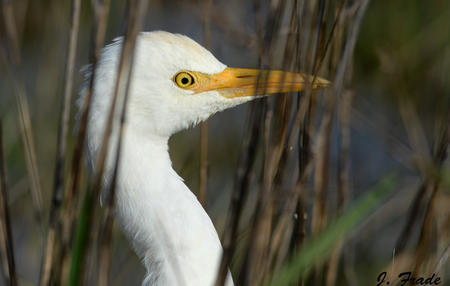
(233, 82)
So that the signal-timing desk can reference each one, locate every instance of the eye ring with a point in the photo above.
(184, 79)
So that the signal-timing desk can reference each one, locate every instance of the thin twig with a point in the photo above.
(242, 178)
(13, 60)
(137, 10)
(254, 270)
(12, 35)
(7, 246)
(440, 155)
(343, 178)
(414, 214)
(416, 134)
(47, 260)
(101, 10)
(240, 191)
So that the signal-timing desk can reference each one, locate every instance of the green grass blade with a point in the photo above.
(320, 247)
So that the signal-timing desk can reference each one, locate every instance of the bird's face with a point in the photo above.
(176, 83)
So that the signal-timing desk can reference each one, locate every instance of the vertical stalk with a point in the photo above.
(7, 247)
(47, 259)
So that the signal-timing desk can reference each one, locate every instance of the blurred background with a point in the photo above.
(398, 80)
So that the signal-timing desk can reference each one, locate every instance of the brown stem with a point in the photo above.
(7, 247)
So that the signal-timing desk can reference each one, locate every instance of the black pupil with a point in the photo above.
(184, 80)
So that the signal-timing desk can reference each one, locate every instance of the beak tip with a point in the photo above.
(319, 83)
(323, 83)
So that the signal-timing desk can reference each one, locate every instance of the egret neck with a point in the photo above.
(163, 219)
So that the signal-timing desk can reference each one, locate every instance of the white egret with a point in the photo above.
(175, 84)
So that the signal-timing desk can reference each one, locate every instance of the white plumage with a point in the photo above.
(166, 225)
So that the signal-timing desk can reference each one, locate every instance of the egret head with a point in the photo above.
(177, 83)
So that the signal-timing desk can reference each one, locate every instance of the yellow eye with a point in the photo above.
(184, 79)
